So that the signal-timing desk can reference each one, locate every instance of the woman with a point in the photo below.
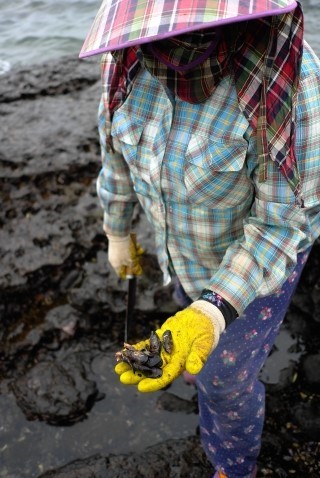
(209, 119)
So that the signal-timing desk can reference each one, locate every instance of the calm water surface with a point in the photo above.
(36, 30)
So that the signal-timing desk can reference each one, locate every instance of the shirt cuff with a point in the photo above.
(118, 220)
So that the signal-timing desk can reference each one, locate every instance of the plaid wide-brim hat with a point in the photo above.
(123, 23)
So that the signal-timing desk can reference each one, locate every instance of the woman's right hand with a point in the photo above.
(124, 255)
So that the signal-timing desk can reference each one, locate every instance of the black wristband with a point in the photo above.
(228, 311)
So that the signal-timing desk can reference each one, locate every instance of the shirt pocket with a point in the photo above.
(128, 133)
(142, 141)
(215, 174)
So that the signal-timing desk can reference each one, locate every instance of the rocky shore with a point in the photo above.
(62, 312)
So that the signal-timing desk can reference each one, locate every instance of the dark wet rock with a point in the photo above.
(311, 369)
(99, 289)
(57, 393)
(298, 320)
(316, 301)
(49, 159)
(174, 458)
(308, 417)
(61, 77)
(63, 318)
(49, 331)
(93, 467)
(172, 403)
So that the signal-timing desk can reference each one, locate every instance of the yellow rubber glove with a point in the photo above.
(124, 255)
(195, 332)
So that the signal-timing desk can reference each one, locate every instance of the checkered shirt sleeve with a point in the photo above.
(114, 184)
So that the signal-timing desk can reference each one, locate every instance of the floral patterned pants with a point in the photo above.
(231, 398)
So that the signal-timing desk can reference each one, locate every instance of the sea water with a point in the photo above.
(33, 31)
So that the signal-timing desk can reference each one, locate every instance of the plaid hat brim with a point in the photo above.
(122, 23)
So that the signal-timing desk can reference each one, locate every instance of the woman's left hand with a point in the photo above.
(194, 336)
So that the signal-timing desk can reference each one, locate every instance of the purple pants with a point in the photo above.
(231, 398)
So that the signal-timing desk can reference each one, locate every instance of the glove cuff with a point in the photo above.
(118, 239)
(214, 314)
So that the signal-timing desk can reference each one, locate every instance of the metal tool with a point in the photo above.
(131, 299)
(131, 296)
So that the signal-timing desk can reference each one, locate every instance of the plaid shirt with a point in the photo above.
(194, 168)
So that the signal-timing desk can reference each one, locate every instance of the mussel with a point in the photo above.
(147, 361)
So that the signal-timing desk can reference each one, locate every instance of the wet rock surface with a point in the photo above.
(62, 313)
(58, 393)
(175, 458)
